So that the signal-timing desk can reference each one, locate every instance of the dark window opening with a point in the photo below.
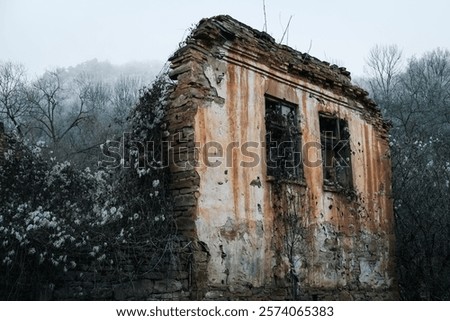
(283, 157)
(335, 140)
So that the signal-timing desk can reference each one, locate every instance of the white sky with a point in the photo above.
(44, 34)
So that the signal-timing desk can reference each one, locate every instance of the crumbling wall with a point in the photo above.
(263, 235)
(191, 93)
(169, 279)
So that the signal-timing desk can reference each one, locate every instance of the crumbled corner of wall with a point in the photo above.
(192, 90)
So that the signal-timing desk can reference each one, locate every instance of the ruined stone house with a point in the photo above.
(280, 172)
(280, 180)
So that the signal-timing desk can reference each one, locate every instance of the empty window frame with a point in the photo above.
(336, 154)
(283, 156)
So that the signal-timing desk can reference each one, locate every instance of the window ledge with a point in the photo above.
(349, 192)
(329, 187)
(300, 181)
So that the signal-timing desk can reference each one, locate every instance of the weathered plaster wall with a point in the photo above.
(235, 218)
(345, 246)
(231, 212)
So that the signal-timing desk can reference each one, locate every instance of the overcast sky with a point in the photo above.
(44, 34)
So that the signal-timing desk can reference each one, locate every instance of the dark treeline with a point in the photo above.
(69, 112)
(414, 95)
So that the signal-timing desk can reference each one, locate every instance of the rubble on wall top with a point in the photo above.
(224, 30)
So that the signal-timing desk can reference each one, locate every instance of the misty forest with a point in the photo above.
(61, 209)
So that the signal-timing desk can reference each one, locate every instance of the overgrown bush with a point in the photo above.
(55, 217)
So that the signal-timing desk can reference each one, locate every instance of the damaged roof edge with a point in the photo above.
(218, 30)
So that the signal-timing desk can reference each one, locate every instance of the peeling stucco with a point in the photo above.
(303, 239)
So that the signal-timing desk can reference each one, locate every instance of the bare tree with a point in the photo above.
(13, 106)
(384, 66)
(46, 102)
(424, 96)
(49, 107)
(93, 95)
(125, 96)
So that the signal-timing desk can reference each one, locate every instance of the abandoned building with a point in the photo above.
(281, 170)
(280, 179)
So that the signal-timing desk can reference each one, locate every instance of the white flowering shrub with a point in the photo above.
(143, 190)
(55, 218)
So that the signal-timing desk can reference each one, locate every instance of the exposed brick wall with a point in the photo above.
(169, 279)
